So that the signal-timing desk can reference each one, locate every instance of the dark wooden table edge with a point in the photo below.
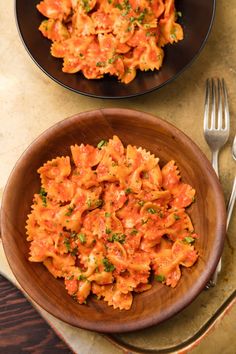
(34, 314)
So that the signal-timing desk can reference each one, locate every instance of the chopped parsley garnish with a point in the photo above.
(127, 7)
(128, 190)
(160, 278)
(70, 210)
(189, 239)
(67, 244)
(74, 234)
(43, 195)
(134, 232)
(151, 211)
(82, 238)
(117, 237)
(101, 144)
(101, 64)
(98, 202)
(81, 277)
(177, 217)
(108, 267)
(86, 5)
(74, 251)
(173, 35)
(119, 6)
(141, 16)
(141, 203)
(107, 214)
(108, 231)
(128, 71)
(88, 202)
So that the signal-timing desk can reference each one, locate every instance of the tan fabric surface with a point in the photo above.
(30, 103)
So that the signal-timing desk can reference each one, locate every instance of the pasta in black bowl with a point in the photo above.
(145, 46)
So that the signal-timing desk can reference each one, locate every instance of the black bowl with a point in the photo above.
(197, 18)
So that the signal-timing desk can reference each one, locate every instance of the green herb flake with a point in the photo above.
(177, 217)
(151, 211)
(160, 278)
(74, 252)
(128, 71)
(134, 232)
(119, 6)
(70, 210)
(98, 202)
(108, 267)
(81, 277)
(141, 203)
(74, 235)
(82, 238)
(43, 195)
(173, 35)
(141, 16)
(101, 144)
(128, 29)
(128, 191)
(117, 237)
(101, 64)
(107, 215)
(189, 239)
(67, 244)
(86, 5)
(111, 61)
(108, 231)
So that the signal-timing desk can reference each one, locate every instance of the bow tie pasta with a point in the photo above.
(115, 37)
(110, 221)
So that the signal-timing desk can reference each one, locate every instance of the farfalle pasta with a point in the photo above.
(115, 37)
(110, 221)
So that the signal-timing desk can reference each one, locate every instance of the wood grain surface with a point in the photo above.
(166, 142)
(22, 329)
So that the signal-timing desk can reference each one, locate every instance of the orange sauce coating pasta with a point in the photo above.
(114, 37)
(108, 220)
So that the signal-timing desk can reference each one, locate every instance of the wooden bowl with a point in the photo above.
(164, 140)
(177, 56)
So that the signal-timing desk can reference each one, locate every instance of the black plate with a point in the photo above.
(197, 18)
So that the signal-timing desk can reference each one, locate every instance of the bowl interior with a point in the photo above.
(177, 56)
(162, 139)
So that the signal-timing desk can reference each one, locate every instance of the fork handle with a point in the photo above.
(214, 161)
(231, 203)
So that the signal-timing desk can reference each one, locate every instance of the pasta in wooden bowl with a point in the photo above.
(111, 220)
(105, 218)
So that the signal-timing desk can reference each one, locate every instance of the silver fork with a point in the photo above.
(216, 130)
(232, 198)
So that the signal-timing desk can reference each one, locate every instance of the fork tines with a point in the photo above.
(216, 104)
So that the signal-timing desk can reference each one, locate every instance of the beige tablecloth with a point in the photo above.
(30, 103)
